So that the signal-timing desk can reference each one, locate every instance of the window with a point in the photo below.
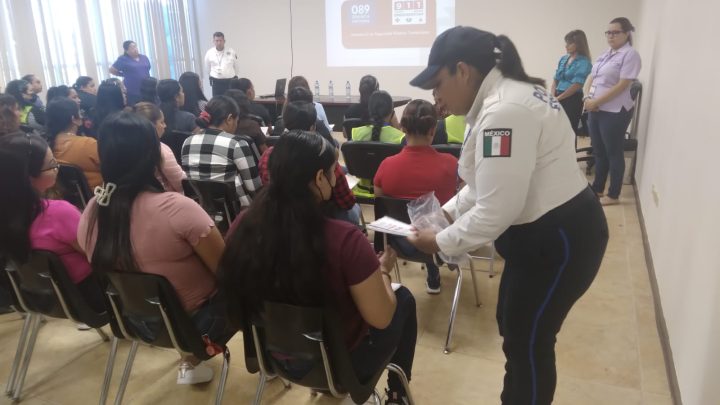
(8, 57)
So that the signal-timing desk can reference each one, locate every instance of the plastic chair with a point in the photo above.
(351, 123)
(73, 185)
(175, 140)
(219, 200)
(397, 208)
(143, 297)
(305, 345)
(43, 287)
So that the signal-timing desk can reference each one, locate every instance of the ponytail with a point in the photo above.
(510, 63)
(378, 123)
(380, 106)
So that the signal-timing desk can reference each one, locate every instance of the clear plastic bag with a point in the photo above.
(426, 213)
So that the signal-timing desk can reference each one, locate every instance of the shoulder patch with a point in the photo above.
(497, 142)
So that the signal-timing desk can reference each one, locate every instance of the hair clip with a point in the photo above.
(103, 194)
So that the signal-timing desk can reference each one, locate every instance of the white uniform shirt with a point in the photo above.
(518, 161)
(223, 64)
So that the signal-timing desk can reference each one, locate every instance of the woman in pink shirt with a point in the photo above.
(169, 172)
(29, 222)
(134, 225)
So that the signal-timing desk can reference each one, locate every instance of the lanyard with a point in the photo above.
(603, 63)
(220, 59)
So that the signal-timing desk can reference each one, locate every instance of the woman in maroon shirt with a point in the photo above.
(285, 250)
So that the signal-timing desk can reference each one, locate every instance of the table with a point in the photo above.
(335, 106)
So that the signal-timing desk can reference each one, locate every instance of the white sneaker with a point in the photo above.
(82, 326)
(432, 290)
(189, 374)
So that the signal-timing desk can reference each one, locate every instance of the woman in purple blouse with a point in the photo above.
(133, 67)
(610, 107)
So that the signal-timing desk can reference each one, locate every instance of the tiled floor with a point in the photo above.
(607, 353)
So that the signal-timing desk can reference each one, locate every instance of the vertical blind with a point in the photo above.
(84, 37)
(8, 56)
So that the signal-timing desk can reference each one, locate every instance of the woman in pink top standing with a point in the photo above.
(28, 221)
(610, 107)
(134, 225)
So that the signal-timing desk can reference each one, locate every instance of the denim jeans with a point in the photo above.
(405, 248)
(607, 136)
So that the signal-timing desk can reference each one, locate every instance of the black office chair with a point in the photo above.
(351, 123)
(306, 346)
(219, 200)
(397, 208)
(453, 149)
(189, 191)
(150, 298)
(22, 340)
(271, 140)
(175, 140)
(43, 287)
(73, 185)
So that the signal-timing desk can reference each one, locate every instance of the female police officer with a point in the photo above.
(523, 190)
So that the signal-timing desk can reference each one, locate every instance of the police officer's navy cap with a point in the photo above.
(458, 44)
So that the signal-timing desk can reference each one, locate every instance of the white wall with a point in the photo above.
(261, 31)
(678, 149)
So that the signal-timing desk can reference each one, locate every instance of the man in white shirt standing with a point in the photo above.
(223, 64)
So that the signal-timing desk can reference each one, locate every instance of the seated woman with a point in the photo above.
(171, 98)
(63, 91)
(247, 125)
(27, 221)
(300, 81)
(246, 86)
(302, 94)
(384, 129)
(217, 155)
(148, 90)
(63, 123)
(87, 91)
(195, 100)
(169, 173)
(300, 116)
(9, 115)
(368, 85)
(285, 250)
(135, 226)
(418, 169)
(31, 114)
(111, 98)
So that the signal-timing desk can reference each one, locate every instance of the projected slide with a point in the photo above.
(384, 32)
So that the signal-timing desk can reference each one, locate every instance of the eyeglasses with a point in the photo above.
(53, 166)
(613, 33)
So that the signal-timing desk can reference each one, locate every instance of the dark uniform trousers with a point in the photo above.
(549, 264)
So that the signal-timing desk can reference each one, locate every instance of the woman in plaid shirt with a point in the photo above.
(217, 155)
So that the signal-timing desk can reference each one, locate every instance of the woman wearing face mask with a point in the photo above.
(524, 191)
(611, 107)
(328, 262)
(133, 67)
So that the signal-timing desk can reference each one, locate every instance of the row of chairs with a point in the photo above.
(313, 335)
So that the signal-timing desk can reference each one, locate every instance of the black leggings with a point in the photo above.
(549, 264)
(573, 106)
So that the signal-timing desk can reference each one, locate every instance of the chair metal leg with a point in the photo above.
(102, 334)
(474, 281)
(376, 397)
(108, 371)
(260, 389)
(403, 379)
(397, 272)
(126, 373)
(223, 376)
(22, 341)
(30, 345)
(453, 311)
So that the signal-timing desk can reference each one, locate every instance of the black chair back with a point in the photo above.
(150, 300)
(453, 149)
(43, 286)
(363, 158)
(73, 185)
(351, 123)
(175, 140)
(271, 140)
(219, 200)
(305, 345)
(257, 119)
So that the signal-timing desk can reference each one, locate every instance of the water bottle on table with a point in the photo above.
(317, 88)
(347, 89)
(331, 91)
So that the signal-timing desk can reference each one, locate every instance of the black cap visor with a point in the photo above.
(425, 79)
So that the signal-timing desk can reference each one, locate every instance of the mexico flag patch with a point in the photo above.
(497, 142)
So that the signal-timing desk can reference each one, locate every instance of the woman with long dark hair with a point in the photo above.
(172, 97)
(63, 91)
(169, 172)
(384, 127)
(523, 190)
(87, 91)
(195, 100)
(323, 262)
(63, 123)
(110, 99)
(148, 90)
(9, 115)
(247, 125)
(28, 221)
(572, 71)
(31, 114)
(133, 225)
(611, 106)
(368, 85)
